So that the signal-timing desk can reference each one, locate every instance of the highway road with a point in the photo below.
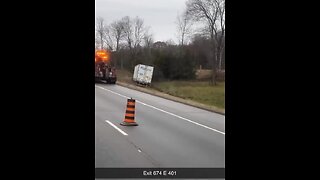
(169, 134)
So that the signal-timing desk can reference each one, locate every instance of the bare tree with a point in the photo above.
(148, 38)
(184, 26)
(139, 31)
(212, 12)
(97, 42)
(117, 32)
(147, 42)
(221, 38)
(100, 29)
(134, 31)
(108, 38)
(127, 29)
(104, 34)
(114, 34)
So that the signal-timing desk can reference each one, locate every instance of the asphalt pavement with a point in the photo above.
(169, 134)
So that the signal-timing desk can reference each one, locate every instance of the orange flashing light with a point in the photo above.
(103, 55)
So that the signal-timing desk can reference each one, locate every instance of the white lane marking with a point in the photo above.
(113, 92)
(117, 128)
(166, 112)
(180, 117)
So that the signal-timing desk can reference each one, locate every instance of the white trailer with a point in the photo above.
(143, 74)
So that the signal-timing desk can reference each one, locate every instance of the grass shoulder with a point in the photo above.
(197, 91)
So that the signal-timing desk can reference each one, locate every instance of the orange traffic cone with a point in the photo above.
(129, 117)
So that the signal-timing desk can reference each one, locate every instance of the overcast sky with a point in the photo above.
(160, 15)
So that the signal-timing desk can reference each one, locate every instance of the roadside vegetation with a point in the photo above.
(199, 91)
(192, 69)
(195, 90)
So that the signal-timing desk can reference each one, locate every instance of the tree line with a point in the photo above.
(200, 33)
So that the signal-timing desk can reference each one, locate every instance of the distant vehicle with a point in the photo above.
(103, 70)
(143, 74)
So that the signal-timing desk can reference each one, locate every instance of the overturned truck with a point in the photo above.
(104, 72)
